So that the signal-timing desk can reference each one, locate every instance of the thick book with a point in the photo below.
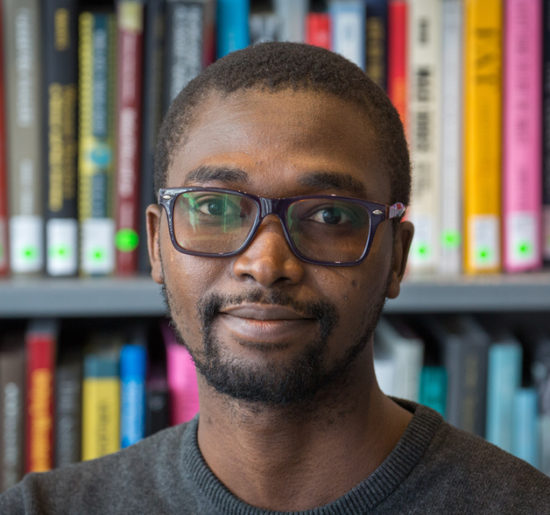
(525, 444)
(318, 30)
(182, 379)
(263, 25)
(482, 133)
(12, 407)
(347, 18)
(433, 388)
(522, 138)
(376, 41)
(232, 30)
(450, 193)
(4, 213)
(129, 17)
(101, 396)
(59, 94)
(41, 347)
(22, 71)
(96, 152)
(292, 19)
(546, 131)
(398, 58)
(424, 132)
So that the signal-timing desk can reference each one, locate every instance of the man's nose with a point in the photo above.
(268, 259)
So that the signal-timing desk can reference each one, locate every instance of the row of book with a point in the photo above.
(486, 375)
(67, 398)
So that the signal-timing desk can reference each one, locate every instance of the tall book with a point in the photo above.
(424, 131)
(263, 25)
(4, 212)
(376, 41)
(292, 19)
(318, 31)
(12, 407)
(129, 18)
(188, 42)
(96, 96)
(398, 58)
(232, 30)
(482, 135)
(347, 18)
(40, 346)
(546, 131)
(101, 397)
(450, 195)
(522, 179)
(22, 71)
(60, 70)
(525, 426)
(157, 400)
(433, 388)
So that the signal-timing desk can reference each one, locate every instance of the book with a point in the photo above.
(129, 17)
(157, 401)
(424, 132)
(40, 346)
(22, 71)
(101, 396)
(347, 19)
(292, 19)
(398, 85)
(4, 213)
(433, 388)
(525, 426)
(482, 131)
(376, 42)
(12, 407)
(96, 94)
(263, 26)
(182, 379)
(318, 30)
(133, 364)
(522, 125)
(450, 195)
(546, 130)
(232, 30)
(60, 70)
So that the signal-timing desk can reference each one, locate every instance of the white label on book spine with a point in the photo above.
(61, 238)
(522, 238)
(347, 36)
(98, 246)
(546, 232)
(484, 248)
(26, 253)
(422, 252)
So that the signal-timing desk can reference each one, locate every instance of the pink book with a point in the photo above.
(522, 167)
(182, 379)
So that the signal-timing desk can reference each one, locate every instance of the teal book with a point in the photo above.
(433, 388)
(525, 443)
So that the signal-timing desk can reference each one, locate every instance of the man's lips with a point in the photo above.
(264, 312)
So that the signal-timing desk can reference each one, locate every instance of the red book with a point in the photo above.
(128, 137)
(4, 267)
(40, 344)
(397, 57)
(318, 30)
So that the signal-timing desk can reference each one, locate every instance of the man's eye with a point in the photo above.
(330, 216)
(215, 207)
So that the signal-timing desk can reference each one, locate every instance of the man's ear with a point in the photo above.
(153, 214)
(401, 244)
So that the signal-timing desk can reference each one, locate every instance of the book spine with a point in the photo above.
(232, 31)
(128, 109)
(24, 144)
(348, 29)
(482, 135)
(525, 426)
(40, 344)
(546, 130)
(522, 187)
(398, 58)
(60, 145)
(433, 388)
(4, 212)
(424, 131)
(376, 40)
(318, 30)
(96, 142)
(292, 19)
(132, 379)
(450, 194)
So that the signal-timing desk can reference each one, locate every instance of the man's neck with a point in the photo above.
(274, 459)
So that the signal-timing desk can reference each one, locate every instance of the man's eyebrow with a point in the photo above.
(333, 180)
(207, 173)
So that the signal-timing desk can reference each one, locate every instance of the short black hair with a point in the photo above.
(274, 67)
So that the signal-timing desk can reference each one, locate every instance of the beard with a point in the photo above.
(296, 382)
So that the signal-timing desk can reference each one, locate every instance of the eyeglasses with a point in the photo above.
(320, 229)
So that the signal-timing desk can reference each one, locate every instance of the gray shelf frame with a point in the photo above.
(139, 297)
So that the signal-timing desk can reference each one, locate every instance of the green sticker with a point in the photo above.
(59, 251)
(451, 239)
(423, 250)
(29, 253)
(484, 254)
(126, 240)
(97, 254)
(524, 248)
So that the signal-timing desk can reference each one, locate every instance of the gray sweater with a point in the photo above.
(434, 468)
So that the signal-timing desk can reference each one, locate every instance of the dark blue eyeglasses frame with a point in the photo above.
(279, 206)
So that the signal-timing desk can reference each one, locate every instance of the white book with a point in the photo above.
(348, 19)
(424, 131)
(292, 19)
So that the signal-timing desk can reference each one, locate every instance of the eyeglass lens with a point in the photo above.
(331, 230)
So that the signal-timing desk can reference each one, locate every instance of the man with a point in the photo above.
(282, 174)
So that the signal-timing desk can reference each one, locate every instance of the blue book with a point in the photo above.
(526, 436)
(133, 359)
(376, 42)
(232, 26)
(348, 19)
(503, 380)
(433, 388)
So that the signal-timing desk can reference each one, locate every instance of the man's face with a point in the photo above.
(264, 325)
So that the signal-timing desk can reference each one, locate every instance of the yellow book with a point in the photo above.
(482, 135)
(101, 399)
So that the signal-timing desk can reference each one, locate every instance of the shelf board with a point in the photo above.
(108, 297)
